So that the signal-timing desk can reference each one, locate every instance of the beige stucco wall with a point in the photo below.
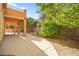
(1, 23)
(15, 14)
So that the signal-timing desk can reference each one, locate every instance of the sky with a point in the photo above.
(30, 7)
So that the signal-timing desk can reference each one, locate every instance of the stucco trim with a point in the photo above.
(14, 17)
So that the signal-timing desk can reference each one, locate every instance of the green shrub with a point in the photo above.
(11, 26)
(58, 16)
(50, 29)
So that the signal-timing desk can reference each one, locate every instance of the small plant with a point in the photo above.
(11, 27)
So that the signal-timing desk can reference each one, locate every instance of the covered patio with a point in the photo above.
(13, 19)
(14, 26)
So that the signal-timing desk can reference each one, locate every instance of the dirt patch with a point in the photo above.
(66, 47)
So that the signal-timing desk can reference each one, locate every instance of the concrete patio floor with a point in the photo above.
(17, 45)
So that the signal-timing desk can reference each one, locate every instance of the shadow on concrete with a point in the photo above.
(13, 45)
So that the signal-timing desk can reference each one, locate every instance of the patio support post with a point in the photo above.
(24, 23)
(18, 27)
(25, 26)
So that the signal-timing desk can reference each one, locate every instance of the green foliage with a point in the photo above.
(21, 27)
(49, 28)
(58, 15)
(10, 26)
(28, 22)
(31, 24)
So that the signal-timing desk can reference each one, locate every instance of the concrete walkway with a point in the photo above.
(29, 45)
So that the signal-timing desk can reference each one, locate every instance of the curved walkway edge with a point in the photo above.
(43, 44)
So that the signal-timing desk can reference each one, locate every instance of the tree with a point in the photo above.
(58, 16)
(31, 24)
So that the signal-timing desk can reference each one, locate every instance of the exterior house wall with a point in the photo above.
(1, 23)
(11, 16)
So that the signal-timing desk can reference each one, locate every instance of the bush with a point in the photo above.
(11, 26)
(50, 29)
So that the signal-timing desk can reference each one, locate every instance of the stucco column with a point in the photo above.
(25, 22)
(24, 26)
(18, 27)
